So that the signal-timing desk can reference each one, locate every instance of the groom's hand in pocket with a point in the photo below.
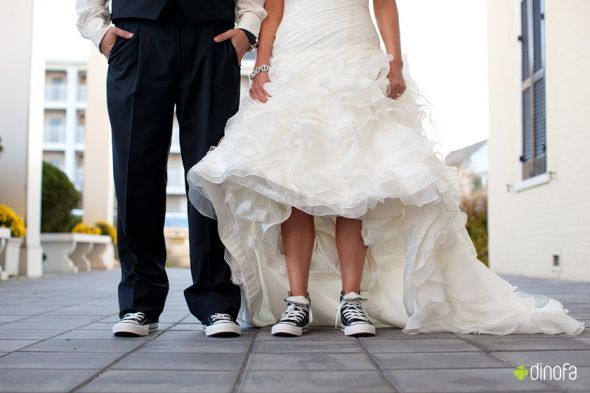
(239, 40)
(109, 39)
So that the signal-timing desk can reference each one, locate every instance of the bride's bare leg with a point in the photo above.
(351, 253)
(298, 234)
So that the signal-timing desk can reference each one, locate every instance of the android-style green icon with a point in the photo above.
(521, 372)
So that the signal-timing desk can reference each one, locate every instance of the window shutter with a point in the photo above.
(534, 139)
(526, 72)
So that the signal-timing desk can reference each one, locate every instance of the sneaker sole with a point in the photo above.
(364, 330)
(133, 330)
(287, 330)
(223, 330)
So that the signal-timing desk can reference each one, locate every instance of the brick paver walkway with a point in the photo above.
(55, 337)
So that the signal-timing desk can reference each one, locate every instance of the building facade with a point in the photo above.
(539, 178)
(64, 119)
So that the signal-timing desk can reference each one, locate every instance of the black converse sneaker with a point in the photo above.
(296, 319)
(134, 325)
(353, 316)
(221, 325)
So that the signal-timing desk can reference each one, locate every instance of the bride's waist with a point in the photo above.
(326, 38)
(325, 23)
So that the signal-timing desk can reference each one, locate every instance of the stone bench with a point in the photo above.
(75, 252)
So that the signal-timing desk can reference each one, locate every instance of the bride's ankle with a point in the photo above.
(298, 293)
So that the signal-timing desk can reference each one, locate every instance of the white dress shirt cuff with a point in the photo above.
(250, 21)
(97, 35)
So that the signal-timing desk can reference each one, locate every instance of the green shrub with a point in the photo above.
(59, 198)
(476, 207)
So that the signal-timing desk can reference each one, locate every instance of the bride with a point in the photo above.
(326, 187)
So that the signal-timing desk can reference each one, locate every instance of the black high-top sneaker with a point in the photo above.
(134, 325)
(353, 316)
(296, 319)
(222, 325)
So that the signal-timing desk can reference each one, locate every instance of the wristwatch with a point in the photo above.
(251, 39)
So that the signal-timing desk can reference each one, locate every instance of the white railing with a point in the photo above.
(176, 178)
(55, 92)
(79, 178)
(80, 134)
(82, 93)
(54, 134)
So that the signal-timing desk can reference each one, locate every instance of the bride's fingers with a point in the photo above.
(259, 94)
(266, 93)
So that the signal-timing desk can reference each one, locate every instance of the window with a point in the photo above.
(534, 148)
(82, 86)
(55, 87)
(80, 128)
(55, 129)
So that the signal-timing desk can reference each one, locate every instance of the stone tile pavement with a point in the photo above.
(55, 337)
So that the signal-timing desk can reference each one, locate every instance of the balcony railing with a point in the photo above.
(176, 178)
(79, 178)
(82, 93)
(80, 134)
(54, 134)
(55, 92)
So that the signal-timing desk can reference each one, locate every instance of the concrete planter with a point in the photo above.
(11, 256)
(4, 236)
(9, 253)
(75, 252)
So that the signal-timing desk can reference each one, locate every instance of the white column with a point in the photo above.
(21, 124)
(71, 104)
(98, 193)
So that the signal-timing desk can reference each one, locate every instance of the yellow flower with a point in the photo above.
(9, 219)
(87, 229)
(107, 229)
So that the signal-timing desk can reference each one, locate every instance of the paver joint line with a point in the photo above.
(244, 369)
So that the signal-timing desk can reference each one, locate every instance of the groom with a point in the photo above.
(166, 56)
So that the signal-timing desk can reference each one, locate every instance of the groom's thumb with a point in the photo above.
(223, 36)
(122, 33)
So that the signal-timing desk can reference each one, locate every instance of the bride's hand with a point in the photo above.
(397, 84)
(257, 91)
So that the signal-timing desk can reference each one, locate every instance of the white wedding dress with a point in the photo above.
(330, 142)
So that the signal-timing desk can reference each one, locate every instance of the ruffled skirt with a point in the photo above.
(331, 143)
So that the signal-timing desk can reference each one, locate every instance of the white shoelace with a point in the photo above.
(220, 317)
(351, 310)
(295, 312)
(138, 317)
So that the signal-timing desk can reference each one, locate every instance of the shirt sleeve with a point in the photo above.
(94, 19)
(250, 14)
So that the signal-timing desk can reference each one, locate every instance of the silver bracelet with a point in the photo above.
(261, 68)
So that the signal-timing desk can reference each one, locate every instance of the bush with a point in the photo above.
(59, 198)
(9, 219)
(107, 229)
(476, 207)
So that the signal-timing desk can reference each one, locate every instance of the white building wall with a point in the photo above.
(529, 223)
(21, 123)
